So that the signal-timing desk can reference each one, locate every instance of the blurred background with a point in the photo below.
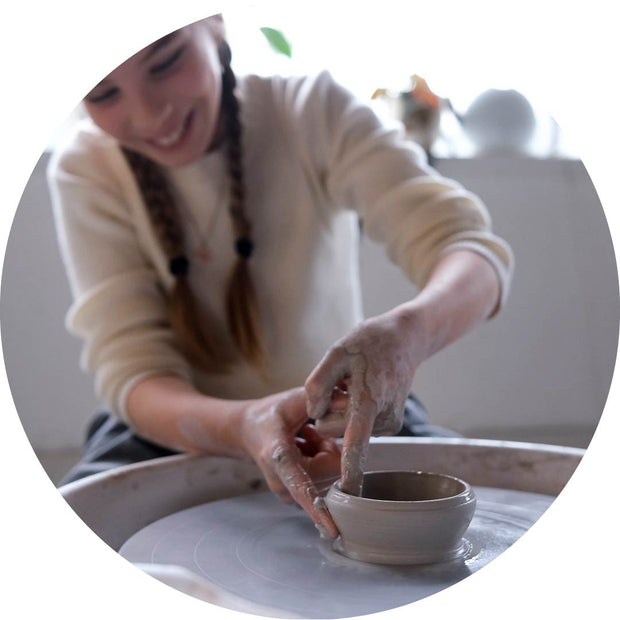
(539, 372)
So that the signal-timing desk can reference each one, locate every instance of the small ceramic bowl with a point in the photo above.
(403, 517)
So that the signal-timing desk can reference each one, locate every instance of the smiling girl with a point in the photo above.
(210, 228)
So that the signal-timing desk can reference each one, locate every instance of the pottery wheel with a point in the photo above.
(271, 554)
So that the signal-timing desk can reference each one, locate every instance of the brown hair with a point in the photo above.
(200, 341)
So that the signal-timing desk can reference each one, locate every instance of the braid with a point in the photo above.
(201, 344)
(199, 340)
(241, 301)
(157, 196)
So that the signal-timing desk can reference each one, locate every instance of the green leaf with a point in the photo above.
(277, 41)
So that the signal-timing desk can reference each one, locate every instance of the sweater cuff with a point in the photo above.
(504, 272)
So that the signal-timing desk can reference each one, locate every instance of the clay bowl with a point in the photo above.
(403, 517)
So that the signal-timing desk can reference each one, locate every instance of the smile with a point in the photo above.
(175, 137)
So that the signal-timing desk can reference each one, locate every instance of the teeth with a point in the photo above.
(170, 139)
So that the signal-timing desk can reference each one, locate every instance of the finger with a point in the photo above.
(315, 442)
(339, 400)
(333, 423)
(320, 383)
(292, 409)
(275, 485)
(323, 443)
(308, 444)
(361, 416)
(287, 462)
(285, 497)
(324, 470)
(324, 465)
(343, 384)
(304, 447)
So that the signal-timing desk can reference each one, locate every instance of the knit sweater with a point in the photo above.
(315, 161)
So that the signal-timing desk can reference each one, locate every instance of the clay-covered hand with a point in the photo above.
(375, 365)
(296, 467)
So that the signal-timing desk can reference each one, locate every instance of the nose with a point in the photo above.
(149, 113)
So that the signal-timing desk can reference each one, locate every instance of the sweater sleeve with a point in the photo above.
(119, 308)
(404, 204)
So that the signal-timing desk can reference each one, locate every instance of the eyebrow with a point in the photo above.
(155, 47)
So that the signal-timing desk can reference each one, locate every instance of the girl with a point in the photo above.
(209, 229)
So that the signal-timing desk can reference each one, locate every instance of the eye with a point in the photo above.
(103, 96)
(169, 62)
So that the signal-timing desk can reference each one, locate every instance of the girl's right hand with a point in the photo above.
(291, 464)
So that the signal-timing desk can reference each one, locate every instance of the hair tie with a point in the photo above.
(244, 247)
(179, 265)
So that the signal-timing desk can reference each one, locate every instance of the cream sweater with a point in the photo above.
(314, 159)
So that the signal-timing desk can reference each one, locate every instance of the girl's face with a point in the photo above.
(164, 101)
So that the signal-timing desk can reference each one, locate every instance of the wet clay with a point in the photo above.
(403, 517)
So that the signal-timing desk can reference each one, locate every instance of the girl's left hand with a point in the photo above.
(376, 362)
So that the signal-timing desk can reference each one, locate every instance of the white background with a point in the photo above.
(567, 564)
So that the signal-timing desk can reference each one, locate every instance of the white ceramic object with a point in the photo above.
(403, 517)
(500, 120)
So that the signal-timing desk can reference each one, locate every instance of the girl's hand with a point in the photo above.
(378, 360)
(375, 365)
(293, 466)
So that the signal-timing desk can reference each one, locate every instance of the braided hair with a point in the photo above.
(199, 340)
(241, 301)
